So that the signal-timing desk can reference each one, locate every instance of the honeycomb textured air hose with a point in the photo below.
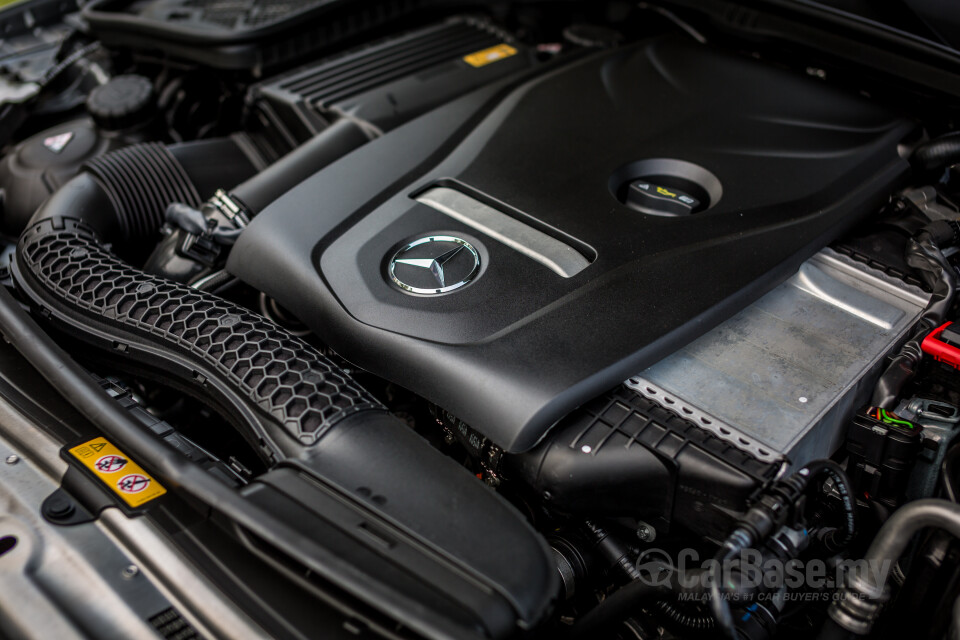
(66, 272)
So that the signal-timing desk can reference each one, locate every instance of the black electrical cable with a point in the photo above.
(841, 483)
(766, 517)
(53, 72)
(719, 606)
(613, 551)
(689, 621)
(924, 254)
(751, 530)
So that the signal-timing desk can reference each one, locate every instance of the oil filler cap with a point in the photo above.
(659, 199)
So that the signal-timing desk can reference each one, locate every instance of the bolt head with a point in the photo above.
(13, 459)
(646, 533)
(130, 571)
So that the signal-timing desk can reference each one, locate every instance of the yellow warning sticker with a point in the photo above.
(125, 477)
(489, 56)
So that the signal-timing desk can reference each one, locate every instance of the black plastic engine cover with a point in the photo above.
(520, 346)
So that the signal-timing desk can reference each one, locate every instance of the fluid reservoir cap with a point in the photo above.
(122, 103)
(647, 196)
(667, 187)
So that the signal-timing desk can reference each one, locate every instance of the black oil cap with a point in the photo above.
(657, 199)
(122, 103)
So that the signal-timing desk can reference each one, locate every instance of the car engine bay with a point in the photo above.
(483, 320)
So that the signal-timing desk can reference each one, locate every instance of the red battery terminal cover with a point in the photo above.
(943, 343)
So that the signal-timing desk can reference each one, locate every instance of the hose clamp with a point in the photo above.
(232, 209)
(858, 605)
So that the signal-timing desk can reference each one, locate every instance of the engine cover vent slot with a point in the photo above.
(389, 82)
(556, 255)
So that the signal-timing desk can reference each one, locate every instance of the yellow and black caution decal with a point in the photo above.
(489, 56)
(122, 475)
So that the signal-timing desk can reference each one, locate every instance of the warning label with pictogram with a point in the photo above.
(133, 483)
(110, 464)
(118, 472)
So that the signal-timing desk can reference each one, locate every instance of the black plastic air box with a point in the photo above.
(239, 34)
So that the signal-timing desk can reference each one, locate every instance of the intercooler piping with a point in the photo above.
(938, 153)
(334, 142)
(865, 591)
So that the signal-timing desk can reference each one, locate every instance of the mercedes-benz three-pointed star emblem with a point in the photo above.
(434, 264)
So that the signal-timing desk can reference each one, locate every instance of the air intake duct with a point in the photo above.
(342, 470)
(124, 194)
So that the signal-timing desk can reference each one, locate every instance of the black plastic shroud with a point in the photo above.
(796, 162)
